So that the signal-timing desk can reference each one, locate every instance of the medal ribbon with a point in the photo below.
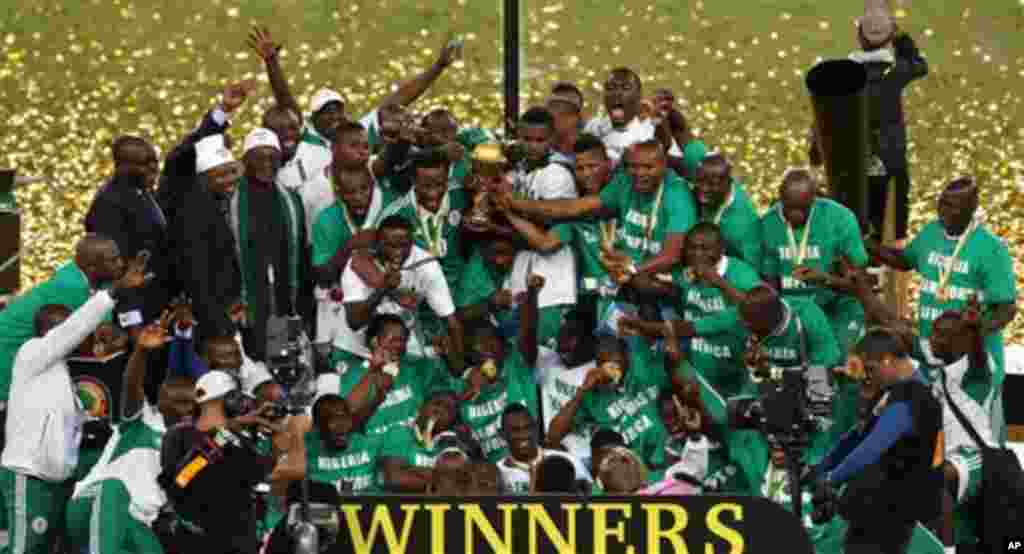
(800, 254)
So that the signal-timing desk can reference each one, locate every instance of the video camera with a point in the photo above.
(291, 361)
(784, 412)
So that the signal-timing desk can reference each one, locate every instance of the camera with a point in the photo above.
(291, 360)
(785, 412)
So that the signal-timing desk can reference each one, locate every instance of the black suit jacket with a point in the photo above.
(201, 246)
(122, 211)
(886, 82)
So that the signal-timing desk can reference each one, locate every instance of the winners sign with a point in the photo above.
(567, 525)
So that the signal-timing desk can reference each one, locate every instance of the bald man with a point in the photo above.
(97, 263)
(803, 238)
(959, 257)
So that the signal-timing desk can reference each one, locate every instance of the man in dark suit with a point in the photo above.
(125, 210)
(198, 181)
(892, 61)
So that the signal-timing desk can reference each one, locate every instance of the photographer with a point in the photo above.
(210, 468)
(891, 465)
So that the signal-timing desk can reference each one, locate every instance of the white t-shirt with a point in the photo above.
(559, 385)
(558, 268)
(616, 141)
(306, 174)
(426, 280)
(515, 478)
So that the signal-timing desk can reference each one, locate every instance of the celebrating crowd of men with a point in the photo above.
(568, 313)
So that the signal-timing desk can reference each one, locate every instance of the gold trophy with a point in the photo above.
(489, 164)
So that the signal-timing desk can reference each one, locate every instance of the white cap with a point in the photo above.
(211, 153)
(261, 137)
(322, 98)
(213, 385)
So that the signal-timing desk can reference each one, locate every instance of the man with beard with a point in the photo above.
(519, 431)
(620, 393)
(46, 415)
(97, 263)
(653, 206)
(435, 209)
(115, 505)
(387, 389)
(959, 257)
(409, 451)
(593, 170)
(267, 223)
(723, 201)
(336, 453)
(125, 210)
(539, 178)
(625, 125)
(411, 276)
(804, 237)
(561, 372)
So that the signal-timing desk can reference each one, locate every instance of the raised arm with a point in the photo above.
(133, 395)
(265, 47)
(409, 91)
(528, 319)
(910, 64)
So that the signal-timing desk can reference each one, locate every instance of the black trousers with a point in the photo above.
(878, 196)
(893, 538)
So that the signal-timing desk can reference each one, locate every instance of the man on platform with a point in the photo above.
(958, 257)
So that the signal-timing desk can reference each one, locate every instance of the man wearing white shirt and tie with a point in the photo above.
(46, 415)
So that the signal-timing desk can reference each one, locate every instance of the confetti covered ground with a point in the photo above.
(75, 73)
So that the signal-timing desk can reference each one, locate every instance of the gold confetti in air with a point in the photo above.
(68, 85)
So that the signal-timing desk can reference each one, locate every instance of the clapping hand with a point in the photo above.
(134, 275)
(154, 336)
(236, 93)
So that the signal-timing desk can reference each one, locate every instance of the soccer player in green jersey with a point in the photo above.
(958, 257)
(593, 172)
(499, 377)
(409, 452)
(804, 236)
(483, 292)
(621, 394)
(723, 201)
(435, 210)
(336, 453)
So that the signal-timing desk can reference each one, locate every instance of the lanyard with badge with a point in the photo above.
(652, 218)
(799, 254)
(942, 292)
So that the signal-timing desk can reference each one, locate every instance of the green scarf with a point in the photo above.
(310, 136)
(292, 218)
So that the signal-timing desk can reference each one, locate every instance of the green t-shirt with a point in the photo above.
(355, 467)
(331, 230)
(515, 384)
(834, 233)
(415, 378)
(584, 236)
(479, 281)
(676, 213)
(400, 442)
(982, 267)
(68, 286)
(632, 408)
(717, 350)
(740, 225)
(440, 236)
(783, 350)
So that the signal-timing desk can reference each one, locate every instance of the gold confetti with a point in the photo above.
(159, 76)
